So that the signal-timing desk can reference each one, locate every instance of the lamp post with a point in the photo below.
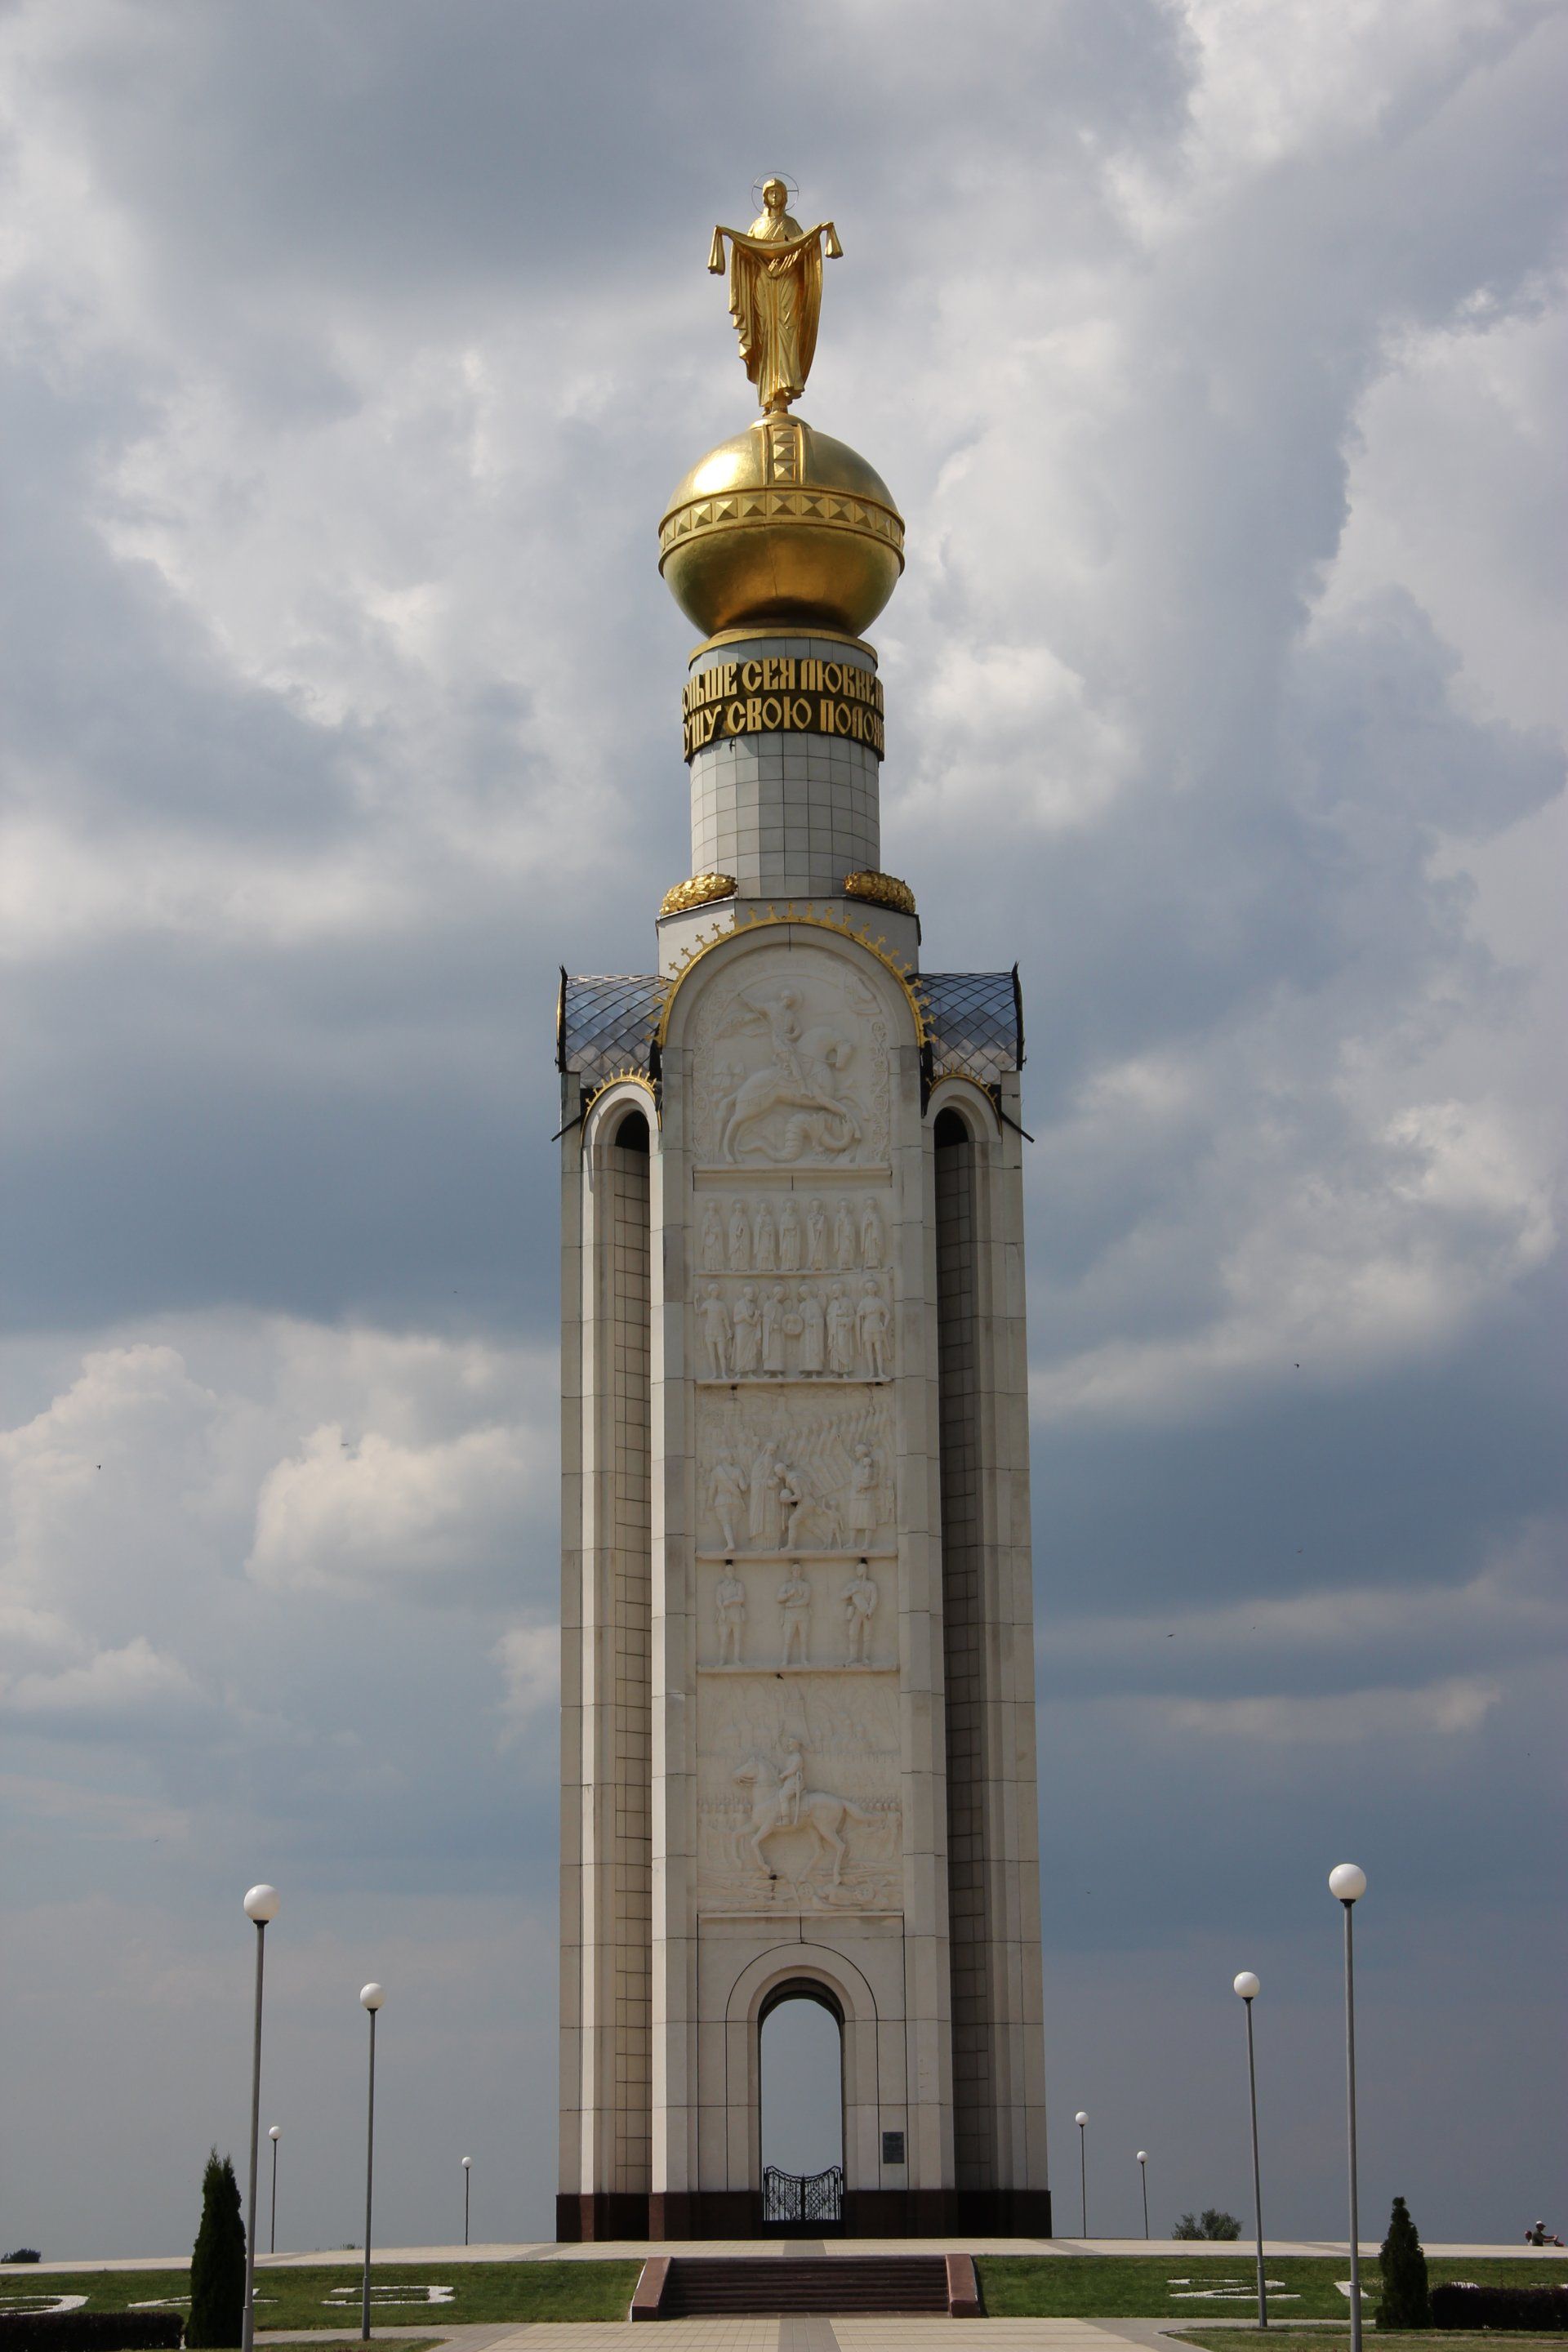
(371, 1998)
(1144, 2184)
(1247, 1986)
(1081, 2119)
(274, 2133)
(260, 1906)
(1347, 1885)
(467, 2168)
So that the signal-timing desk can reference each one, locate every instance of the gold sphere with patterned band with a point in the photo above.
(781, 525)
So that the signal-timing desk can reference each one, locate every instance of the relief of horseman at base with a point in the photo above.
(798, 1802)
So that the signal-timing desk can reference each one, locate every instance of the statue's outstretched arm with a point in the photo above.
(766, 249)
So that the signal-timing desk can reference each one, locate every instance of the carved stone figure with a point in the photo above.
(794, 1606)
(813, 1331)
(865, 1495)
(843, 1332)
(714, 1238)
(844, 1236)
(775, 1311)
(728, 1486)
(730, 1607)
(860, 1599)
(740, 1238)
(816, 1237)
(793, 1504)
(767, 1240)
(748, 1333)
(791, 1785)
(789, 1236)
(816, 1810)
(713, 1322)
(875, 1320)
(762, 1525)
(871, 1237)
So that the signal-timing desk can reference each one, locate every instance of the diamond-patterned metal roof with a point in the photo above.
(605, 1024)
(975, 1023)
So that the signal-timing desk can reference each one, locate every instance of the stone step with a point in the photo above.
(697, 2286)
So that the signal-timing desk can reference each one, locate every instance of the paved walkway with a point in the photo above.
(775, 2335)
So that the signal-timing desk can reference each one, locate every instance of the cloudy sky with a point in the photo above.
(1215, 354)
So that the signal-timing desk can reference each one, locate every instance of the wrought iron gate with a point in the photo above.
(793, 2201)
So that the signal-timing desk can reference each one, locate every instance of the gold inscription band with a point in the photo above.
(777, 694)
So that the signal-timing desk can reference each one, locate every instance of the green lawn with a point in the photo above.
(1115, 2287)
(329, 2297)
(1138, 2287)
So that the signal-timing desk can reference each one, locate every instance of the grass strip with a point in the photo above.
(1122, 2287)
(330, 2297)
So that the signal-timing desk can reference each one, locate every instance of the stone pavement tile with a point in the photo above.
(902, 2335)
(737, 2334)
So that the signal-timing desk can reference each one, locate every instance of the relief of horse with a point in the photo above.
(822, 1814)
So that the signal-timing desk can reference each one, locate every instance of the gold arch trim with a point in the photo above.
(789, 919)
(628, 1077)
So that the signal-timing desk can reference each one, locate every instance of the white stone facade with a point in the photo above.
(798, 1703)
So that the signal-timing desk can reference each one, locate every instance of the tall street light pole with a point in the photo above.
(1348, 1884)
(260, 1906)
(274, 2133)
(371, 1997)
(467, 2168)
(1081, 2119)
(1247, 1986)
(1144, 2184)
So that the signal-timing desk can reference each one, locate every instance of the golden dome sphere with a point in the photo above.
(781, 524)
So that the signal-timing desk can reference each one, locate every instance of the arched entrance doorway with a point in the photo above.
(801, 2087)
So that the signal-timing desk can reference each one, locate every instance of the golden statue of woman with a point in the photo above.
(775, 294)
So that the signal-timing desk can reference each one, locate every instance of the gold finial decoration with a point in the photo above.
(775, 294)
(701, 891)
(882, 890)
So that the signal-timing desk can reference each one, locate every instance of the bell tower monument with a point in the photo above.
(798, 1706)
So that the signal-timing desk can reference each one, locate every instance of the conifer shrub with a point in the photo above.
(217, 2259)
(1407, 2301)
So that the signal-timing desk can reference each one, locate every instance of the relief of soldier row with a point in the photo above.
(789, 1621)
(835, 1330)
(792, 1237)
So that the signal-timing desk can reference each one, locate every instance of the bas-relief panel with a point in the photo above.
(794, 1469)
(791, 1065)
(786, 1616)
(797, 1794)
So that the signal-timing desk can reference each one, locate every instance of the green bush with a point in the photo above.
(1456, 2304)
(90, 2331)
(218, 2260)
(1406, 2301)
(1210, 2223)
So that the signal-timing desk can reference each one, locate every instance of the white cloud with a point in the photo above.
(529, 1661)
(352, 1516)
(113, 1686)
(1452, 1709)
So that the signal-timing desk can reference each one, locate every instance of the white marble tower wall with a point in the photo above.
(999, 2059)
(607, 1757)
